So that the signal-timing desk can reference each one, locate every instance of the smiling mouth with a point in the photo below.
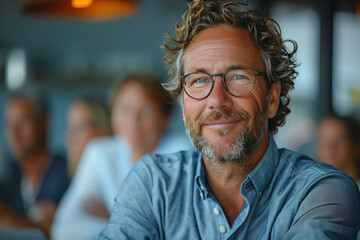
(221, 124)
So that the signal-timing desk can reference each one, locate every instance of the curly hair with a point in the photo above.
(279, 61)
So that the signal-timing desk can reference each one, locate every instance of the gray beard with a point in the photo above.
(245, 143)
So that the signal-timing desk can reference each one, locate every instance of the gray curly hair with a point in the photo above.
(280, 62)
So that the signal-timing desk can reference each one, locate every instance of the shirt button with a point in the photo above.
(216, 210)
(222, 229)
(202, 188)
(201, 195)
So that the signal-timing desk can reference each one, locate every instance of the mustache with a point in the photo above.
(226, 115)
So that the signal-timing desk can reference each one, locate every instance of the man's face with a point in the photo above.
(224, 127)
(23, 128)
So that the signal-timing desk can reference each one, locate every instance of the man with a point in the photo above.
(232, 73)
(37, 179)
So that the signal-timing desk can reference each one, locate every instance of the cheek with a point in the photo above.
(192, 109)
(117, 122)
(152, 124)
(29, 131)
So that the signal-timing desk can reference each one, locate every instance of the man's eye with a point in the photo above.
(238, 77)
(200, 80)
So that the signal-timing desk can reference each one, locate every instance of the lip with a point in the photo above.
(220, 124)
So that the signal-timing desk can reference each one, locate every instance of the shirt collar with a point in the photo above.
(259, 176)
(263, 172)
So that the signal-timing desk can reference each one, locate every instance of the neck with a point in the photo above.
(225, 179)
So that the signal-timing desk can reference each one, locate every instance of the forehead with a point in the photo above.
(222, 47)
(332, 126)
(20, 105)
(79, 108)
(134, 93)
(131, 89)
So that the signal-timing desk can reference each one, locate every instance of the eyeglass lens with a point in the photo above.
(237, 82)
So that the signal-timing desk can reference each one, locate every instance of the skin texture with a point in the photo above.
(217, 50)
(335, 147)
(79, 131)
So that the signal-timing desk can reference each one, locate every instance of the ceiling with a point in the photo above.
(59, 49)
(67, 51)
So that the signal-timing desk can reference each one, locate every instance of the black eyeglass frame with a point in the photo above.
(182, 78)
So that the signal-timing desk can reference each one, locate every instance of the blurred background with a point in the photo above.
(67, 53)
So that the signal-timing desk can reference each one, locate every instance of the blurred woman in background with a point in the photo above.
(140, 110)
(86, 119)
(338, 144)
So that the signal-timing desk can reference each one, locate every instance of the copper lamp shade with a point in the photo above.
(97, 10)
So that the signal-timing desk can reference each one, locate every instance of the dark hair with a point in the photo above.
(151, 85)
(279, 61)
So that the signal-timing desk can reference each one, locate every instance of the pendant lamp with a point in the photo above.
(88, 10)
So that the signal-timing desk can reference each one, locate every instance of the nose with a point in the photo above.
(219, 98)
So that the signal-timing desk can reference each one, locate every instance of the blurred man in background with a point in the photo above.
(86, 119)
(37, 178)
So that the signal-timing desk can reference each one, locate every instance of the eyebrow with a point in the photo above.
(203, 70)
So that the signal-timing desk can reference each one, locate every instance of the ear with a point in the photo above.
(274, 99)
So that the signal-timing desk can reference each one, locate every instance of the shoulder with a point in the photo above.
(57, 167)
(304, 173)
(159, 177)
(302, 166)
(314, 196)
(182, 159)
(104, 143)
(169, 167)
(58, 160)
(103, 147)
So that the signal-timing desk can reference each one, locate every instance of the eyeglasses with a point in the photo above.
(238, 82)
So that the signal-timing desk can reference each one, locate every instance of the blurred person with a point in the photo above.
(37, 178)
(338, 144)
(140, 112)
(231, 70)
(87, 118)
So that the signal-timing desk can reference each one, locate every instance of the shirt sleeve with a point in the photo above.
(71, 220)
(132, 215)
(330, 210)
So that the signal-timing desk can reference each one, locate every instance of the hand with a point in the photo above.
(94, 207)
(47, 211)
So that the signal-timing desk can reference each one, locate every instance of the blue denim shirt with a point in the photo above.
(288, 196)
